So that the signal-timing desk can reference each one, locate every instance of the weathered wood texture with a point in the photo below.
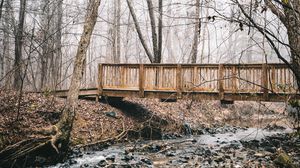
(246, 82)
(179, 79)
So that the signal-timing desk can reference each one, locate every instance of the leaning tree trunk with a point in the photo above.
(139, 32)
(153, 31)
(56, 140)
(65, 124)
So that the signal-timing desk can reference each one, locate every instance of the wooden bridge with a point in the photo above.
(229, 82)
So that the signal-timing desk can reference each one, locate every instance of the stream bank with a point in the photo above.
(227, 147)
(142, 119)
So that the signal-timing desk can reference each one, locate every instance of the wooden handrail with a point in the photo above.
(182, 78)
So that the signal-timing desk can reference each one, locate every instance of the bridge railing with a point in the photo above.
(213, 78)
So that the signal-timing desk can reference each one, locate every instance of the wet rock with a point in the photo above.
(274, 127)
(151, 133)
(171, 136)
(126, 166)
(147, 161)
(111, 158)
(154, 148)
(234, 146)
(168, 136)
(199, 131)
(72, 162)
(102, 163)
(219, 159)
(111, 114)
(170, 154)
(283, 160)
(84, 165)
(183, 160)
(127, 158)
(186, 129)
(227, 156)
(271, 149)
(203, 152)
(252, 144)
(133, 134)
(259, 155)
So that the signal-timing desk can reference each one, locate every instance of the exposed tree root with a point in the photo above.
(29, 149)
(24, 149)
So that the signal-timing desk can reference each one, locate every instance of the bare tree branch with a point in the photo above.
(139, 32)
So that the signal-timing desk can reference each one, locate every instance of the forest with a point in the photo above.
(111, 83)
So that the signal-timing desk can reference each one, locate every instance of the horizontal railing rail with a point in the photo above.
(199, 78)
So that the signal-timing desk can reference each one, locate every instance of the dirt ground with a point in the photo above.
(97, 121)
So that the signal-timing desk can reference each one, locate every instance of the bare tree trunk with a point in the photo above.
(19, 45)
(292, 24)
(290, 18)
(46, 43)
(66, 122)
(153, 30)
(138, 29)
(1, 7)
(57, 69)
(116, 32)
(160, 29)
(196, 33)
(127, 40)
(6, 45)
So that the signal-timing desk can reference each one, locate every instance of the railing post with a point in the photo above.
(141, 81)
(100, 85)
(221, 81)
(178, 81)
(195, 78)
(234, 79)
(264, 81)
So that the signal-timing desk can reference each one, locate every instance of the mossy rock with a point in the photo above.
(284, 160)
(294, 103)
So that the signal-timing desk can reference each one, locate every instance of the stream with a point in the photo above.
(217, 147)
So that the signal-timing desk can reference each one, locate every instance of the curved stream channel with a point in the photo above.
(221, 147)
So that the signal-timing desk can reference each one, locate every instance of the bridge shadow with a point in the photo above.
(135, 111)
(151, 124)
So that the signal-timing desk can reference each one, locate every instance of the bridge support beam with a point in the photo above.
(168, 100)
(226, 102)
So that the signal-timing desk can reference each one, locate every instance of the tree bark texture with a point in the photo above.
(57, 69)
(1, 7)
(290, 17)
(19, 45)
(66, 122)
(116, 47)
(160, 30)
(196, 33)
(153, 31)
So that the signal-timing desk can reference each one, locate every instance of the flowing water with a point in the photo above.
(222, 147)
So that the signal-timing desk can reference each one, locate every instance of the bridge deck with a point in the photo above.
(246, 82)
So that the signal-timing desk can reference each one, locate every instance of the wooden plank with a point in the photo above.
(178, 81)
(160, 79)
(264, 80)
(221, 81)
(167, 81)
(195, 77)
(234, 79)
(141, 81)
(100, 81)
